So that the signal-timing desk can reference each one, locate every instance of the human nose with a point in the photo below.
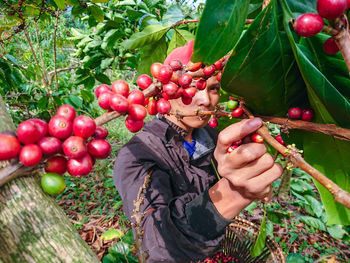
(202, 97)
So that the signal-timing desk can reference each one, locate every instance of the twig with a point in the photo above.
(41, 55)
(340, 195)
(54, 48)
(35, 57)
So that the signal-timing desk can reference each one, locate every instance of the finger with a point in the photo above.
(268, 177)
(245, 154)
(269, 197)
(256, 167)
(236, 132)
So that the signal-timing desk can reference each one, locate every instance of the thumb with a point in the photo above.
(237, 131)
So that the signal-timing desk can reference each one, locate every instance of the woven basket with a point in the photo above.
(240, 238)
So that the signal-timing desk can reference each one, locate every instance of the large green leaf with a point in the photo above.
(155, 52)
(219, 29)
(149, 35)
(60, 4)
(179, 39)
(173, 15)
(262, 67)
(325, 153)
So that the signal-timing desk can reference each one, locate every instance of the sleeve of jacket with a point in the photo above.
(176, 228)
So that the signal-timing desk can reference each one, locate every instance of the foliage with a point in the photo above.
(273, 69)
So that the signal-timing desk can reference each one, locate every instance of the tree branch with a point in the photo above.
(341, 196)
(54, 48)
(43, 66)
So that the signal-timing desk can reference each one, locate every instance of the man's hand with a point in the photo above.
(249, 168)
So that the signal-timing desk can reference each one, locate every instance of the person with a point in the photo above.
(186, 206)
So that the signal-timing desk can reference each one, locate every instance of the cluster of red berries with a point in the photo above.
(64, 136)
(253, 137)
(299, 114)
(221, 258)
(310, 24)
(173, 81)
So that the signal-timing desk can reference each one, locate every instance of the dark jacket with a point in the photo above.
(183, 224)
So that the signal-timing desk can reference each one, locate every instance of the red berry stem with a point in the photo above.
(292, 153)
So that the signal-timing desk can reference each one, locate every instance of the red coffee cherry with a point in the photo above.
(74, 147)
(294, 113)
(218, 64)
(186, 100)
(279, 139)
(209, 70)
(102, 88)
(120, 87)
(67, 111)
(119, 103)
(257, 138)
(213, 122)
(185, 80)
(163, 106)
(136, 97)
(27, 132)
(137, 112)
(84, 126)
(330, 47)
(201, 84)
(100, 149)
(331, 9)
(308, 25)
(193, 66)
(144, 81)
(56, 164)
(9, 146)
(237, 113)
(170, 89)
(152, 107)
(218, 76)
(50, 145)
(165, 73)
(155, 67)
(103, 100)
(42, 127)
(307, 115)
(81, 166)
(100, 132)
(132, 125)
(30, 155)
(189, 92)
(175, 64)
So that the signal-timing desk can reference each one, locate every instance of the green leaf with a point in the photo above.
(112, 234)
(219, 29)
(295, 258)
(12, 59)
(325, 153)
(149, 35)
(103, 78)
(87, 95)
(262, 67)
(77, 10)
(97, 13)
(155, 52)
(76, 101)
(106, 62)
(173, 15)
(336, 231)
(315, 205)
(313, 222)
(180, 38)
(259, 244)
(60, 3)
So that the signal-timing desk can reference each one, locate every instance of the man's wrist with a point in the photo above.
(228, 201)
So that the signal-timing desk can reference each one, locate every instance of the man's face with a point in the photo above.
(204, 100)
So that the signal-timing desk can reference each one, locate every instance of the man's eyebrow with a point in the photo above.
(215, 85)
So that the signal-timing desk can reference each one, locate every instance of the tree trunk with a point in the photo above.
(33, 228)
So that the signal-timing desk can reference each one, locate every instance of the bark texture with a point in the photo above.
(33, 228)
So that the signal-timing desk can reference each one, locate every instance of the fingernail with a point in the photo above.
(254, 123)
